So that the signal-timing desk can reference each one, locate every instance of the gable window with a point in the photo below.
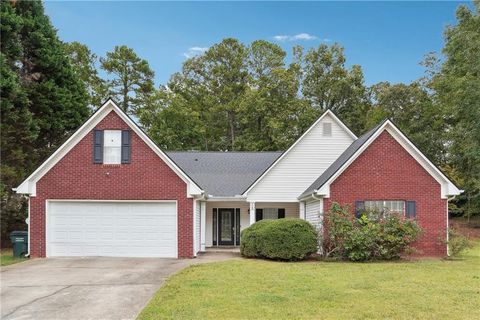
(270, 213)
(327, 129)
(112, 146)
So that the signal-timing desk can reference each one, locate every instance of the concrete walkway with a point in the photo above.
(86, 288)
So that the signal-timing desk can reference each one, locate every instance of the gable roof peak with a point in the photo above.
(327, 112)
(28, 186)
(359, 145)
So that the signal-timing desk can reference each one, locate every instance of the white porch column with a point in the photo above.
(252, 213)
(301, 210)
(203, 217)
(195, 239)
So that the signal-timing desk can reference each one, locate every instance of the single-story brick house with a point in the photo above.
(109, 190)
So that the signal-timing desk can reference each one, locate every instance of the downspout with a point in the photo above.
(28, 229)
(320, 222)
(448, 222)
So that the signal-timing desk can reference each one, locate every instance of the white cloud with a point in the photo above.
(281, 38)
(296, 37)
(304, 36)
(193, 51)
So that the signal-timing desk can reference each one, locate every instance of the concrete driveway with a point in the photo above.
(85, 288)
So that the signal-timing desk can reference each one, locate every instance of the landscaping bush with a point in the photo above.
(457, 242)
(282, 239)
(366, 238)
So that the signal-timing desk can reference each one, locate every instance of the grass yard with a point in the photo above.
(6, 257)
(256, 289)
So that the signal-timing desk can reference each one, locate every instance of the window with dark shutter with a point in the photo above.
(359, 208)
(126, 146)
(281, 213)
(258, 214)
(411, 210)
(97, 146)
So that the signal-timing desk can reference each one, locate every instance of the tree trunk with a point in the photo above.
(231, 122)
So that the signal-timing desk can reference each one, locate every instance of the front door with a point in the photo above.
(226, 227)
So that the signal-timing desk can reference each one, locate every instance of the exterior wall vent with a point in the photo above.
(327, 129)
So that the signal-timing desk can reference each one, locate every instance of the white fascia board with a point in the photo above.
(28, 186)
(328, 112)
(192, 187)
(447, 187)
(232, 199)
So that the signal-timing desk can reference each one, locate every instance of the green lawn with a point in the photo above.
(6, 257)
(256, 289)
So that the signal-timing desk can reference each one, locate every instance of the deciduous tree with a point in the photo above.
(85, 64)
(457, 88)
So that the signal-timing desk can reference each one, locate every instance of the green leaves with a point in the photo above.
(131, 82)
(43, 100)
(457, 90)
(282, 239)
(85, 65)
(243, 98)
(367, 238)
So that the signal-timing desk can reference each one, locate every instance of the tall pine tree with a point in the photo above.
(132, 79)
(42, 99)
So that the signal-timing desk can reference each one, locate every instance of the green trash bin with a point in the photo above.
(19, 241)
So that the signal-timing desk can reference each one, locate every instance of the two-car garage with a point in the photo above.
(111, 228)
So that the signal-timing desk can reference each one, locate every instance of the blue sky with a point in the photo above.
(388, 39)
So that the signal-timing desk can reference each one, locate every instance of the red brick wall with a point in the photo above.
(386, 171)
(147, 177)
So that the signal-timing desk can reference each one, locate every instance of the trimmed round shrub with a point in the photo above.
(282, 239)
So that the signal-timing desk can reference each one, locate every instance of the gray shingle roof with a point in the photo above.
(337, 164)
(223, 174)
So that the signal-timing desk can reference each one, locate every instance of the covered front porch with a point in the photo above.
(225, 220)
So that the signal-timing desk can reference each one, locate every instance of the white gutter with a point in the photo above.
(305, 198)
(203, 196)
(235, 198)
(448, 219)
(314, 195)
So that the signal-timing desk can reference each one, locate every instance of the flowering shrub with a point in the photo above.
(366, 238)
(457, 243)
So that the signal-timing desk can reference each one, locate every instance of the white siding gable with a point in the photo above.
(304, 162)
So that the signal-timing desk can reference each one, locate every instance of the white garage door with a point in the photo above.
(112, 229)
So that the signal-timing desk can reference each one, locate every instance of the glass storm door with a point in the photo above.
(226, 226)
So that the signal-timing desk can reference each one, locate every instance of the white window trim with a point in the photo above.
(384, 206)
(272, 211)
(115, 156)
